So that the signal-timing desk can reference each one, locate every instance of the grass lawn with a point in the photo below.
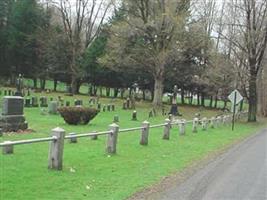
(89, 173)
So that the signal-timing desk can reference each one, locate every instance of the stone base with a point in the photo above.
(10, 123)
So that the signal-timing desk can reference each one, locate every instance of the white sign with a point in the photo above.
(235, 97)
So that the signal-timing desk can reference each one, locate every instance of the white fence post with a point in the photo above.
(182, 124)
(112, 139)
(195, 124)
(204, 124)
(167, 127)
(55, 158)
(212, 122)
(144, 133)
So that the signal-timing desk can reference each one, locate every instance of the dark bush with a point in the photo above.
(77, 115)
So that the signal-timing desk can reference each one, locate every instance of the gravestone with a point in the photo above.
(108, 107)
(78, 102)
(124, 106)
(35, 102)
(43, 102)
(52, 107)
(12, 118)
(150, 114)
(67, 103)
(134, 115)
(99, 106)
(116, 119)
(128, 103)
(27, 102)
(174, 107)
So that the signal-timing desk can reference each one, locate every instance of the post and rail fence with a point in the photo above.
(58, 135)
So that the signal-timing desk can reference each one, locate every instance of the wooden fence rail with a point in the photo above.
(56, 147)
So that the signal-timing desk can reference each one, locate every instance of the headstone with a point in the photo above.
(94, 137)
(78, 102)
(124, 106)
(52, 107)
(27, 102)
(150, 114)
(116, 119)
(12, 118)
(163, 112)
(67, 103)
(35, 102)
(134, 115)
(43, 102)
(128, 103)
(174, 107)
(99, 106)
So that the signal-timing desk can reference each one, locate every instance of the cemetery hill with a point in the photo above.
(105, 99)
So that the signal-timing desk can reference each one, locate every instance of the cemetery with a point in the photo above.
(132, 99)
(92, 156)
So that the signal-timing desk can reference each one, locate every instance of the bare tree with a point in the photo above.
(247, 36)
(82, 21)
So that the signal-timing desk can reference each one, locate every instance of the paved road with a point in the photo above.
(239, 174)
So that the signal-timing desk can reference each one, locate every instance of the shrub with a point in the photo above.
(77, 115)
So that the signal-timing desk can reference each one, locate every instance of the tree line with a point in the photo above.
(205, 47)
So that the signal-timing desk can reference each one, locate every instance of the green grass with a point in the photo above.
(24, 175)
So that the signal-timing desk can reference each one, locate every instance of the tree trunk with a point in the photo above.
(216, 100)
(144, 94)
(158, 92)
(55, 85)
(42, 84)
(116, 92)
(252, 102)
(95, 90)
(203, 99)
(34, 83)
(107, 92)
(74, 85)
(198, 99)
(122, 92)
(182, 95)
(211, 101)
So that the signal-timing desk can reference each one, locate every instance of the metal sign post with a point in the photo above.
(235, 97)
(233, 120)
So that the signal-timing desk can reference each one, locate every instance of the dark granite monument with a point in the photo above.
(12, 118)
(174, 107)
